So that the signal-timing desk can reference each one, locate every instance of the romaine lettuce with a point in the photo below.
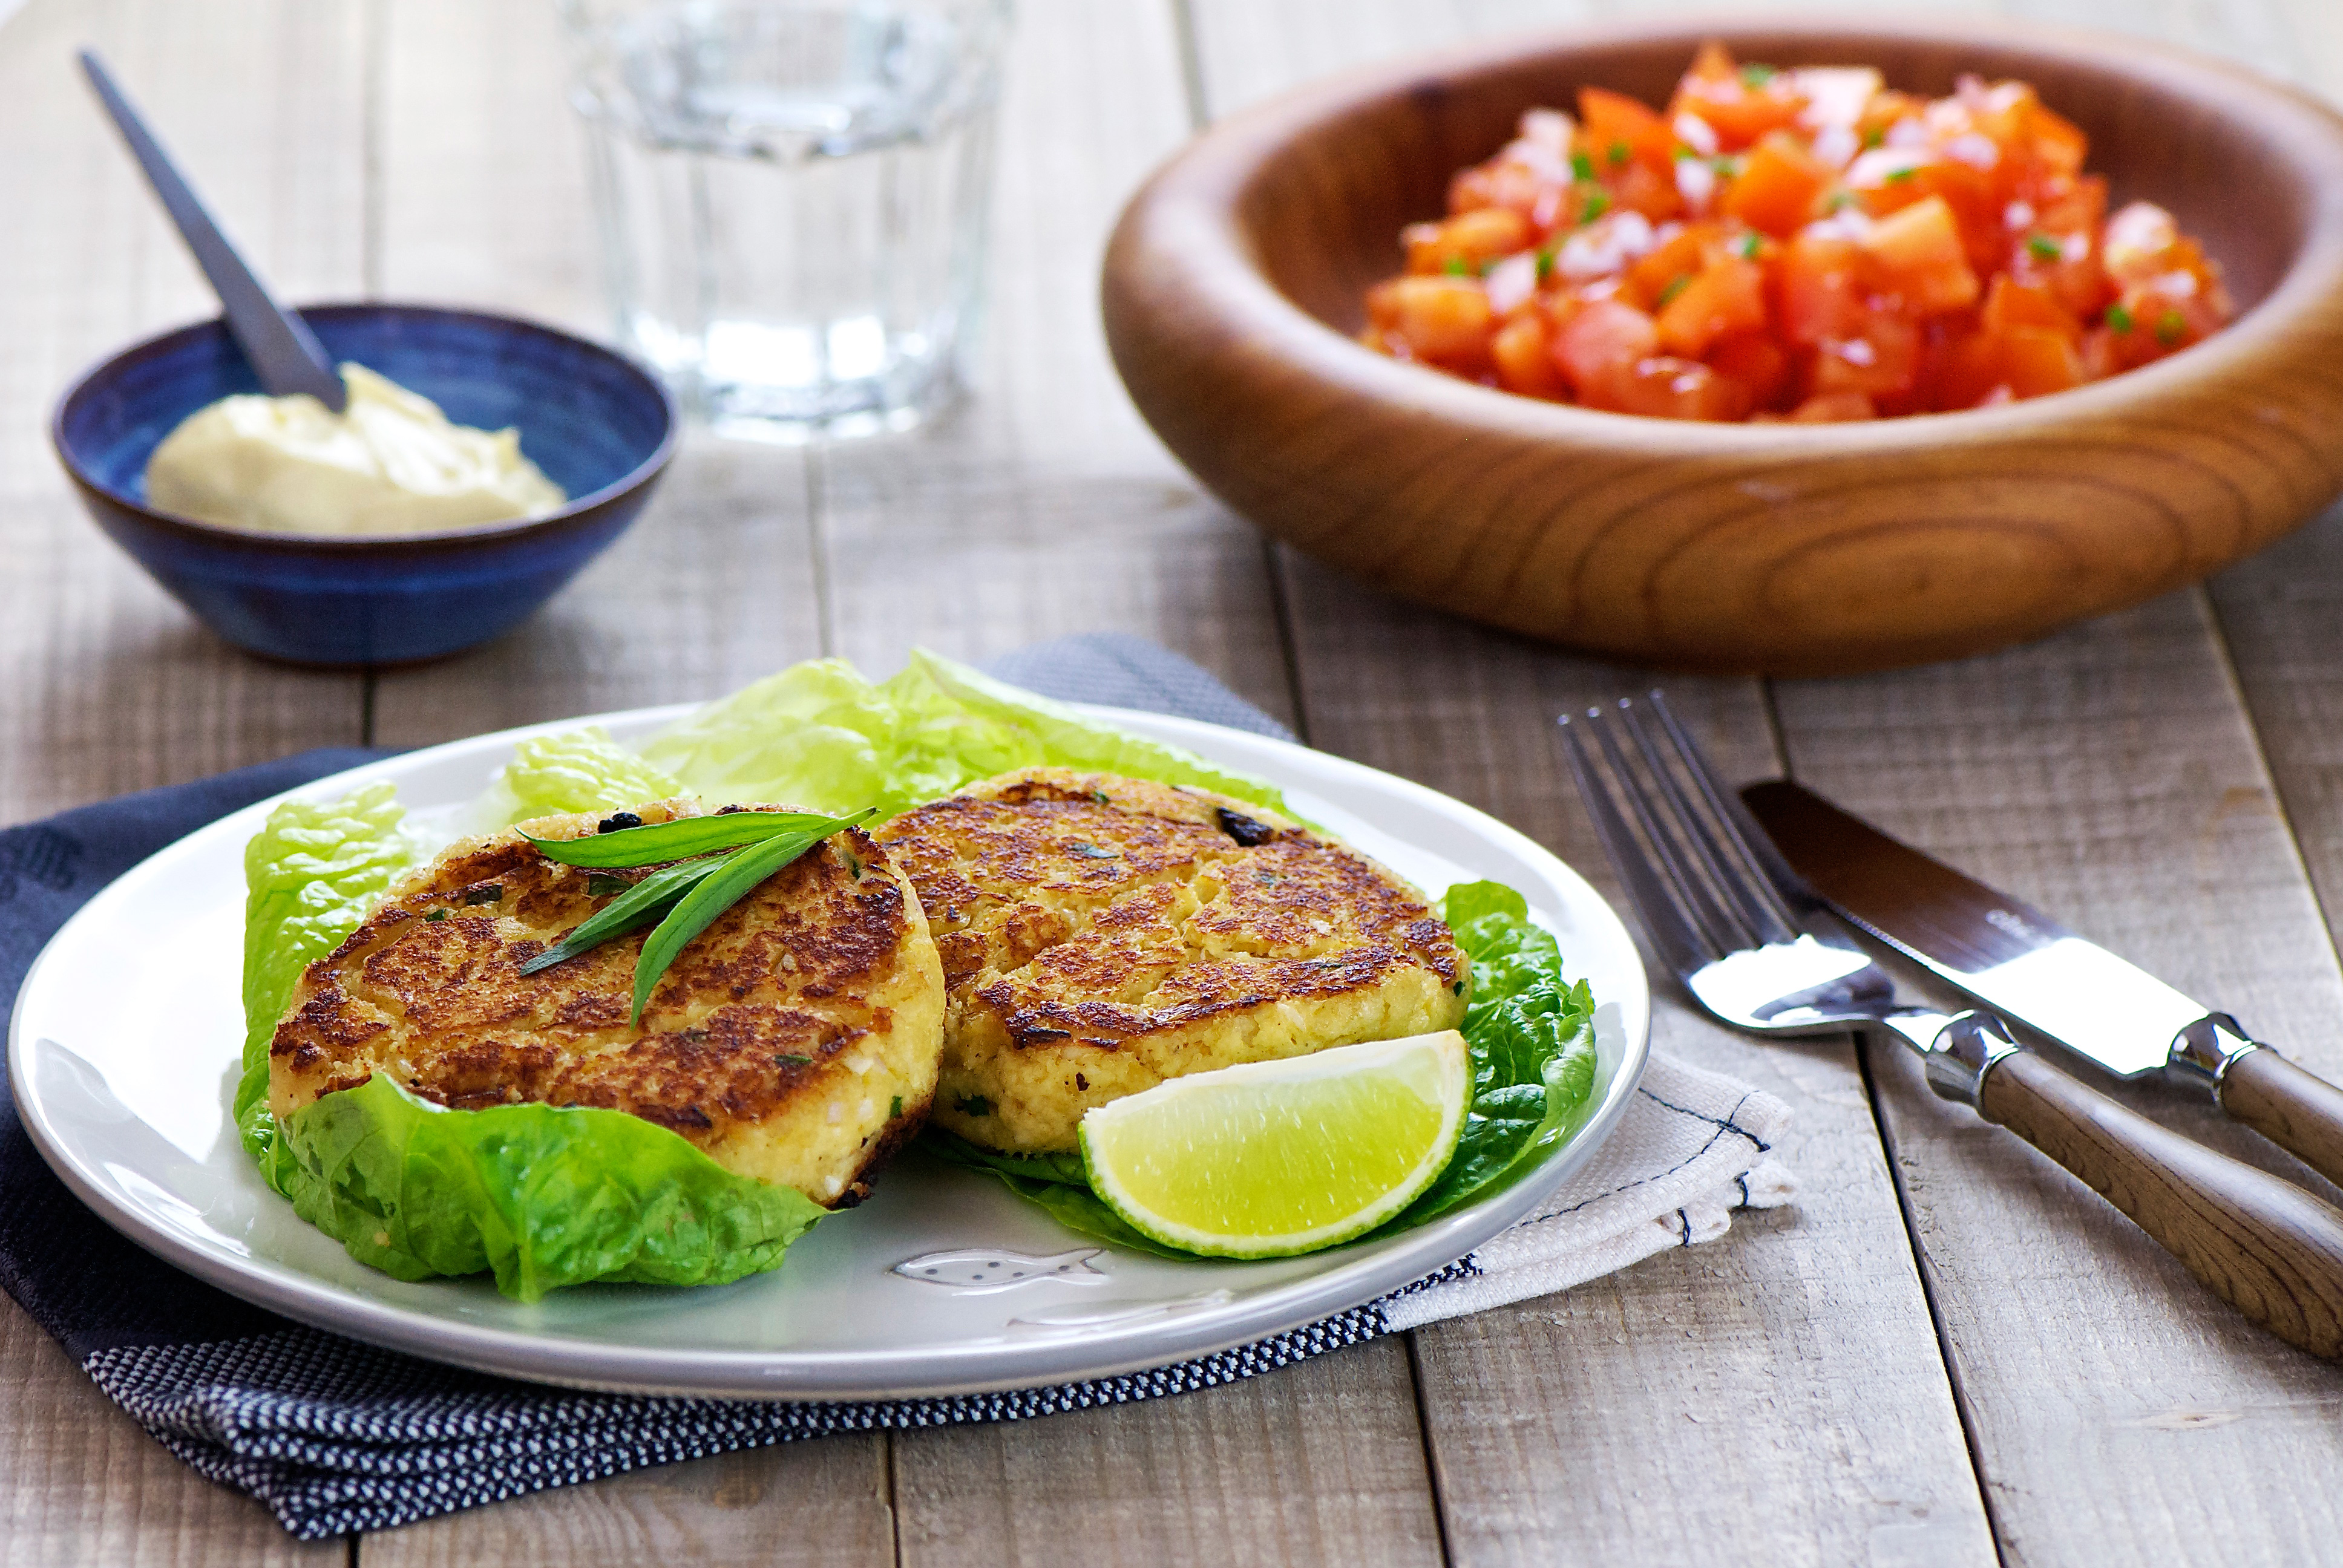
(1531, 1037)
(578, 771)
(820, 735)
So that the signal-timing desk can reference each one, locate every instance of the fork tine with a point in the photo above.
(1722, 856)
(1665, 920)
(1678, 861)
(1786, 890)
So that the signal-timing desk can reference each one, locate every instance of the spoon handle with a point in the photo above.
(282, 351)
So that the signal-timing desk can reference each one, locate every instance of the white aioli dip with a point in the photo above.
(389, 463)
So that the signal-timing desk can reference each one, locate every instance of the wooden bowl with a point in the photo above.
(1236, 281)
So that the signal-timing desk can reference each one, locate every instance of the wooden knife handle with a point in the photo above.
(2300, 1112)
(2264, 1245)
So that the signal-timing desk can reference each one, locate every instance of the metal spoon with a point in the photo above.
(281, 350)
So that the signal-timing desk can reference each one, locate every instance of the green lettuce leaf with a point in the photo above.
(541, 1196)
(310, 874)
(578, 770)
(820, 735)
(1529, 1034)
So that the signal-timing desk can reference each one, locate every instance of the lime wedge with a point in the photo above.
(1275, 1158)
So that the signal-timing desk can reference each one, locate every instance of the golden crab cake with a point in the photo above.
(796, 1039)
(1101, 934)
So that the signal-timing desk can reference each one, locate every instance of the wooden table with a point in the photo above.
(1948, 1349)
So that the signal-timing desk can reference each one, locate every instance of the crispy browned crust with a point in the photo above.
(783, 1008)
(1129, 931)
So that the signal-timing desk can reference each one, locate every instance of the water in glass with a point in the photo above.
(792, 198)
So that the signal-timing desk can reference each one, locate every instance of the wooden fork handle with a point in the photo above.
(2262, 1244)
(2300, 1112)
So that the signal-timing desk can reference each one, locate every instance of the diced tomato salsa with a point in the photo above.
(1801, 244)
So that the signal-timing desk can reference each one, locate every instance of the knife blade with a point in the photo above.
(2034, 970)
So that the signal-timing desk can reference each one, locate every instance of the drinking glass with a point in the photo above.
(791, 196)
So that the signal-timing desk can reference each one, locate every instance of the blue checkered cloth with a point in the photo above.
(336, 1436)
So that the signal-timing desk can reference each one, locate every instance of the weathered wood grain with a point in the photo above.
(1783, 1386)
(713, 586)
(1042, 506)
(2109, 775)
(110, 685)
(800, 1505)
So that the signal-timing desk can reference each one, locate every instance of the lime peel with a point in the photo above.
(1271, 1159)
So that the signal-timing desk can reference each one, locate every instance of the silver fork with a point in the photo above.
(1757, 950)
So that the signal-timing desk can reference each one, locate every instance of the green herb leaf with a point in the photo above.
(1621, 152)
(894, 1108)
(642, 904)
(1873, 136)
(793, 1059)
(434, 916)
(972, 1105)
(1676, 284)
(1596, 205)
(1746, 246)
(493, 893)
(718, 891)
(2044, 246)
(1544, 264)
(601, 885)
(1755, 76)
(1581, 166)
(2118, 319)
(1454, 266)
(2170, 327)
(678, 839)
(1897, 176)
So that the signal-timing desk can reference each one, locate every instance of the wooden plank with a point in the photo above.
(711, 589)
(1042, 506)
(113, 687)
(800, 1505)
(2110, 776)
(713, 586)
(1783, 1387)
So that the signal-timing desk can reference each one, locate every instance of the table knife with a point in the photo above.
(2031, 969)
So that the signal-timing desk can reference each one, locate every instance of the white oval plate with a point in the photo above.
(123, 1054)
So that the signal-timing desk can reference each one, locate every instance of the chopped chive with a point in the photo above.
(1873, 136)
(972, 1105)
(1897, 176)
(1621, 152)
(1581, 166)
(1842, 201)
(1596, 205)
(1756, 75)
(2171, 327)
(2043, 245)
(2118, 319)
(731, 879)
(895, 1108)
(642, 903)
(1747, 246)
(1454, 266)
(1544, 264)
(435, 916)
(492, 893)
(675, 840)
(792, 1058)
(1677, 286)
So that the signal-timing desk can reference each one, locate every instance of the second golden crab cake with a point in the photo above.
(796, 1039)
(1101, 934)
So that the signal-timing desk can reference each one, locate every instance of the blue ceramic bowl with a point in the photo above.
(600, 426)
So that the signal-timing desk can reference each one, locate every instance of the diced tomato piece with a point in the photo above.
(1466, 241)
(1834, 409)
(1666, 387)
(1443, 319)
(1918, 253)
(1882, 360)
(1739, 106)
(2138, 244)
(1667, 268)
(1637, 189)
(1817, 290)
(1601, 343)
(1777, 187)
(1754, 360)
(1524, 357)
(1617, 129)
(2037, 360)
(1726, 295)
(2010, 304)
